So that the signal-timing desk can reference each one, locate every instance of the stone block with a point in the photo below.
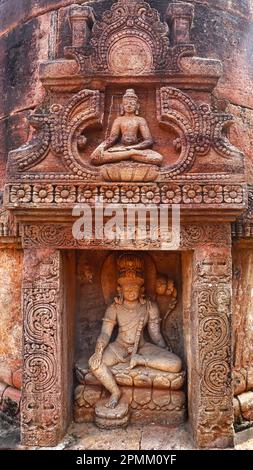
(246, 405)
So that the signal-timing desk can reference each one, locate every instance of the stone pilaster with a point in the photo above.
(45, 404)
(211, 397)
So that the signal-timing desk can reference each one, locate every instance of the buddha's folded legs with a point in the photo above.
(101, 157)
(147, 156)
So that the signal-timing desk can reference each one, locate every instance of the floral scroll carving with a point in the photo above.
(41, 413)
(60, 236)
(212, 289)
(60, 129)
(202, 195)
(199, 127)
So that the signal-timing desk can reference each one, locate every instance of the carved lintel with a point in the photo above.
(180, 17)
(64, 130)
(61, 236)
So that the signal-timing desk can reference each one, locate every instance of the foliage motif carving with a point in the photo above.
(213, 274)
(60, 236)
(60, 128)
(63, 130)
(40, 410)
(199, 127)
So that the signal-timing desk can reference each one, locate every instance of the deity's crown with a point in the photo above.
(130, 93)
(130, 269)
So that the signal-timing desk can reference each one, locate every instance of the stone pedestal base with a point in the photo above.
(152, 396)
(146, 405)
(108, 418)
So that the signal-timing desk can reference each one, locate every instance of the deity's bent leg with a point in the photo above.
(106, 378)
(158, 358)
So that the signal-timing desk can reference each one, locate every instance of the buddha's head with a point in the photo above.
(130, 277)
(130, 103)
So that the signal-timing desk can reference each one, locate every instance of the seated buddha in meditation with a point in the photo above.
(132, 313)
(130, 138)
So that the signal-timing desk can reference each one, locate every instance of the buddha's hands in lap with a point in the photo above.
(118, 149)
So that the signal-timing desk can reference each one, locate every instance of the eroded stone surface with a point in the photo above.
(89, 437)
(10, 320)
(218, 33)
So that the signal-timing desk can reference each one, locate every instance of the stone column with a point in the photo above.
(211, 397)
(180, 17)
(81, 19)
(47, 348)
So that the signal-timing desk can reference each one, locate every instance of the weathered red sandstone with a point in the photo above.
(64, 70)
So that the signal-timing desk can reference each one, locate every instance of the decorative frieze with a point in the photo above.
(201, 195)
(61, 236)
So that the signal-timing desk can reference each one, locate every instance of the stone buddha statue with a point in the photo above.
(130, 138)
(132, 313)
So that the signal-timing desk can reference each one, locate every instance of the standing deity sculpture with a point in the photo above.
(130, 138)
(133, 313)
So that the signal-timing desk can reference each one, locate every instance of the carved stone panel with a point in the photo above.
(45, 406)
(131, 39)
(211, 394)
(61, 236)
(183, 138)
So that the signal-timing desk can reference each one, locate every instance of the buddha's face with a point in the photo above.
(161, 285)
(131, 292)
(130, 105)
